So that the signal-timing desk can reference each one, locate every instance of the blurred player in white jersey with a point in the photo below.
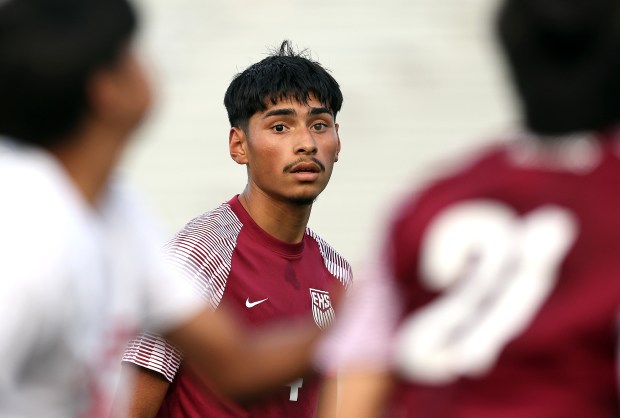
(501, 276)
(80, 268)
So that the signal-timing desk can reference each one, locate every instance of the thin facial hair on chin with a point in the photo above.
(302, 201)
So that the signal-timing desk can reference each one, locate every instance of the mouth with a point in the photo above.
(305, 167)
(305, 171)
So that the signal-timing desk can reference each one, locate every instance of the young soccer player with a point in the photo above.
(80, 266)
(254, 254)
(502, 275)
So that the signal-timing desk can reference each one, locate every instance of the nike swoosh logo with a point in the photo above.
(253, 304)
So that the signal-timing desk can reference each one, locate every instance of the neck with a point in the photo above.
(286, 221)
(89, 157)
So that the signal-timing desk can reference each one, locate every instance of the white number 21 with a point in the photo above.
(497, 268)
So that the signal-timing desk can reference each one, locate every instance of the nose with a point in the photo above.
(306, 143)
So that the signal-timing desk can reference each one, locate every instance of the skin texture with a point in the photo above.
(361, 395)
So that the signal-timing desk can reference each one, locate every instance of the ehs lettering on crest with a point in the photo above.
(322, 309)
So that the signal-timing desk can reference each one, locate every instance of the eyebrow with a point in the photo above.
(289, 112)
(279, 112)
(320, 111)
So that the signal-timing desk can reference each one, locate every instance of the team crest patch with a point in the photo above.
(322, 309)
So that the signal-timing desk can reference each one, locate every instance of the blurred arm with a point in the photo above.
(362, 394)
(359, 346)
(328, 398)
(242, 365)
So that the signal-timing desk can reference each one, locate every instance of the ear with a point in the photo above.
(237, 142)
(103, 94)
(338, 148)
(119, 95)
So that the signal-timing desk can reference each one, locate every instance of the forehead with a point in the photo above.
(291, 102)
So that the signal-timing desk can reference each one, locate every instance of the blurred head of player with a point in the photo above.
(282, 111)
(67, 66)
(564, 57)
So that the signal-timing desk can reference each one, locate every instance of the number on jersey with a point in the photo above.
(295, 386)
(496, 269)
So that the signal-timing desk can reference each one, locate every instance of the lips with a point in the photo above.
(306, 167)
(306, 171)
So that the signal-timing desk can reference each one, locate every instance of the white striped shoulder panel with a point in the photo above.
(202, 253)
(336, 264)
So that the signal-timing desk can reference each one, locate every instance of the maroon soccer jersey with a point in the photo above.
(510, 273)
(232, 262)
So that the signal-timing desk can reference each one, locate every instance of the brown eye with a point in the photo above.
(278, 128)
(320, 126)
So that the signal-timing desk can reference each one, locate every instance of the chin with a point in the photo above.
(302, 200)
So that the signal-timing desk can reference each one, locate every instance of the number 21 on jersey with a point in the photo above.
(495, 268)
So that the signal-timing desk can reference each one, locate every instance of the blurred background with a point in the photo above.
(421, 81)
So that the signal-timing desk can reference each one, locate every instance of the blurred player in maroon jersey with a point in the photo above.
(254, 254)
(500, 278)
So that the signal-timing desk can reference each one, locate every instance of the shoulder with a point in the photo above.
(453, 180)
(467, 165)
(46, 240)
(409, 215)
(217, 229)
(336, 264)
(202, 251)
(41, 220)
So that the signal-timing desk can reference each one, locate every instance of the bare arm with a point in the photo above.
(242, 365)
(362, 394)
(148, 391)
(328, 398)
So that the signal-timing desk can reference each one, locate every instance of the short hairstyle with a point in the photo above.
(564, 58)
(49, 49)
(285, 74)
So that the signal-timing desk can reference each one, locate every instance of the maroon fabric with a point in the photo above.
(262, 267)
(564, 364)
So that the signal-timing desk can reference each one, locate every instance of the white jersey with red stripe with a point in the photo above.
(76, 282)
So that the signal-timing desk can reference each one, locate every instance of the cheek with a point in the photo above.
(270, 155)
(331, 151)
(266, 161)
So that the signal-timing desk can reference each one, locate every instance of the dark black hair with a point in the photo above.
(48, 51)
(284, 74)
(564, 58)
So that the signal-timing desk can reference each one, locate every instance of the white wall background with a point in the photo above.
(421, 82)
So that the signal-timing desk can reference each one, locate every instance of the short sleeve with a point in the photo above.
(153, 352)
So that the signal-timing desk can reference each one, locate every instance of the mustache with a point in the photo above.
(315, 160)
